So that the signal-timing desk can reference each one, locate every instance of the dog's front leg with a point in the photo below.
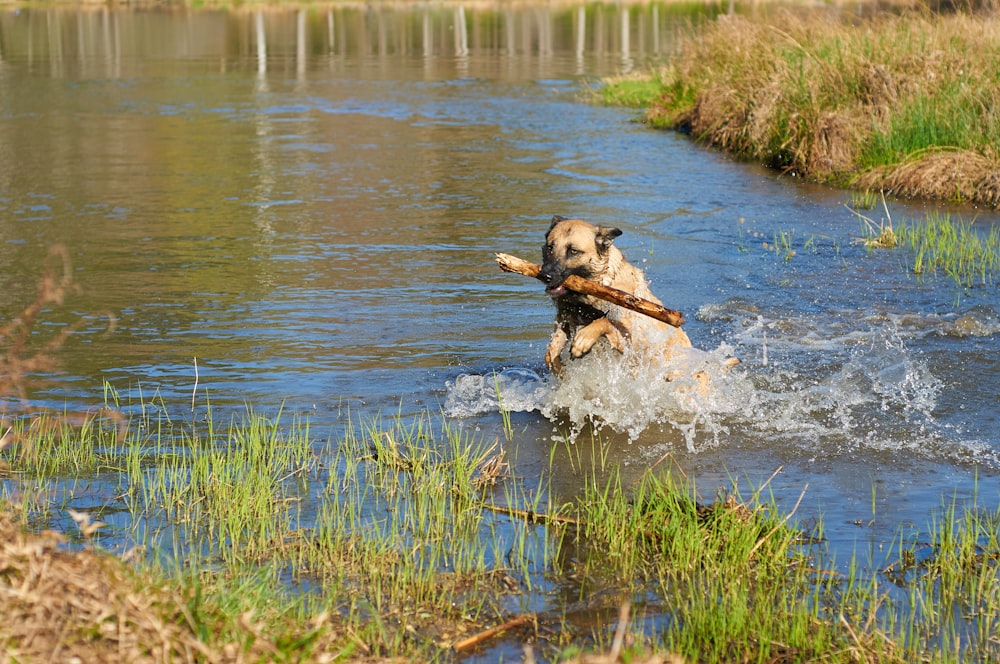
(588, 335)
(556, 344)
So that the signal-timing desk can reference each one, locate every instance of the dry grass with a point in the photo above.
(907, 104)
(61, 606)
(85, 606)
(943, 174)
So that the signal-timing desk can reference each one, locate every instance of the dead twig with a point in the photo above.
(533, 517)
(488, 634)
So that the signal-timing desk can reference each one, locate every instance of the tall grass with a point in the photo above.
(907, 104)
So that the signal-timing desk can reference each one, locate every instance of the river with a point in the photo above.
(300, 208)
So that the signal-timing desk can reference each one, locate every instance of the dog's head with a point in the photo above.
(575, 247)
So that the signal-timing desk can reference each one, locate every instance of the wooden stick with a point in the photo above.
(510, 263)
(476, 639)
(533, 517)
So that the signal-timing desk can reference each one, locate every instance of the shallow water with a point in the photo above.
(301, 208)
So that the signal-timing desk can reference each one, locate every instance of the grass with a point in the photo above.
(631, 90)
(953, 247)
(414, 542)
(939, 244)
(863, 200)
(906, 103)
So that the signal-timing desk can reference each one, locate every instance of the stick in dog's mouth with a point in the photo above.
(510, 263)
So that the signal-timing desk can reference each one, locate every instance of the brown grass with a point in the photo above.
(60, 606)
(943, 174)
(907, 104)
(86, 606)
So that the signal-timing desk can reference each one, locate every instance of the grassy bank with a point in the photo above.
(412, 540)
(905, 104)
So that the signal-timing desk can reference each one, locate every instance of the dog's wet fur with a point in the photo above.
(573, 246)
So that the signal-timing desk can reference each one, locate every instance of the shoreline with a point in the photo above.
(905, 104)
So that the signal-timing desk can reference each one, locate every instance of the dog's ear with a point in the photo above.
(556, 219)
(605, 236)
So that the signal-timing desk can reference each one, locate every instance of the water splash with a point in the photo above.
(805, 388)
(629, 393)
(624, 392)
(512, 389)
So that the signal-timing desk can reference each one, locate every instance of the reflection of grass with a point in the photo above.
(19, 357)
(403, 537)
(26, 351)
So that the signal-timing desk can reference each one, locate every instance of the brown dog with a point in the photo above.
(575, 247)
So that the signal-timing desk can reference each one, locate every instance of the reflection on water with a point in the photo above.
(248, 187)
(110, 42)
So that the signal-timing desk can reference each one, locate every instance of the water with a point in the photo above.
(301, 208)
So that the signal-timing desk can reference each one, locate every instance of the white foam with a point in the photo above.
(855, 389)
(514, 390)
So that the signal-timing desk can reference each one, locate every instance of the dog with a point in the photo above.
(573, 246)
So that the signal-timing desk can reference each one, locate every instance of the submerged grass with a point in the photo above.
(401, 539)
(907, 103)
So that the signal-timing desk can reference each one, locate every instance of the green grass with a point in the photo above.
(630, 91)
(940, 245)
(955, 248)
(403, 535)
(863, 200)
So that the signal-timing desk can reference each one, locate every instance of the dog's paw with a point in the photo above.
(554, 350)
(582, 345)
(554, 363)
(588, 335)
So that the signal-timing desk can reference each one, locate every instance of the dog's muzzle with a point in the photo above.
(553, 282)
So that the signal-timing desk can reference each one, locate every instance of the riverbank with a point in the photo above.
(902, 104)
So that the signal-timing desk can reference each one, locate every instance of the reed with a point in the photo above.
(906, 104)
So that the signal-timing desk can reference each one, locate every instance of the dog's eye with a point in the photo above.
(573, 252)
